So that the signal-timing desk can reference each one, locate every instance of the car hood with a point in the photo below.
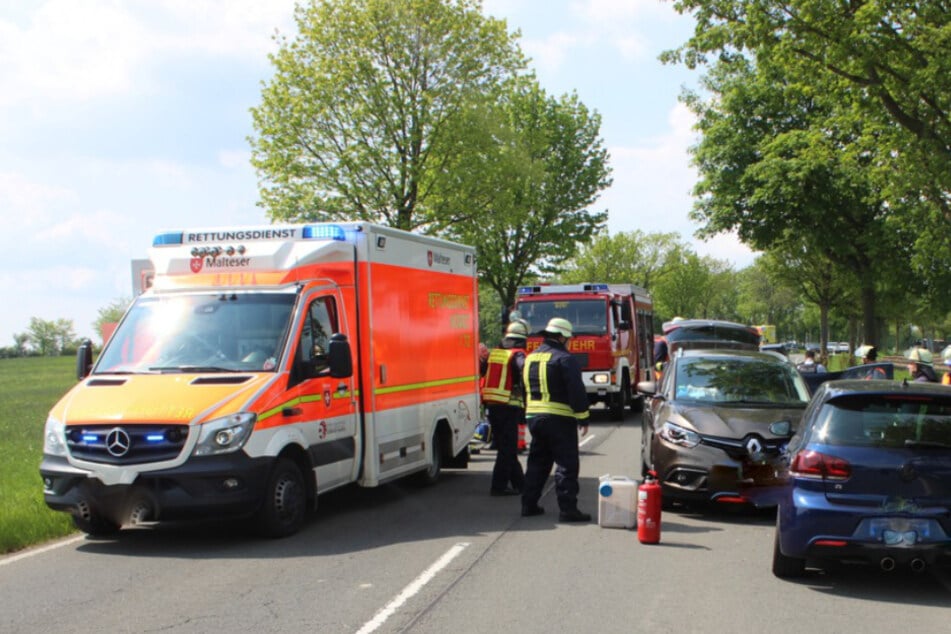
(736, 421)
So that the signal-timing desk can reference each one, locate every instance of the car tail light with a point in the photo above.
(812, 464)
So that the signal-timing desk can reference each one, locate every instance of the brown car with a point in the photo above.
(717, 425)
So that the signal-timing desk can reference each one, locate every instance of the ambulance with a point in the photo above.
(266, 366)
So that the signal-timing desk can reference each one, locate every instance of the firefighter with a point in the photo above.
(505, 403)
(920, 366)
(869, 356)
(556, 406)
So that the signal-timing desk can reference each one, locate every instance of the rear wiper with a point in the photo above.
(927, 443)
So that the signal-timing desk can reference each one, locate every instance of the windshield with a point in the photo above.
(739, 380)
(220, 332)
(884, 422)
(587, 317)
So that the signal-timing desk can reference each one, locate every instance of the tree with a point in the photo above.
(886, 63)
(548, 168)
(366, 107)
(112, 313)
(625, 258)
(780, 166)
(49, 338)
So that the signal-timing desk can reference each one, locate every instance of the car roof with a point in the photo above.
(835, 389)
(710, 333)
(733, 353)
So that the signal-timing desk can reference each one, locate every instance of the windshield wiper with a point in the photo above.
(191, 368)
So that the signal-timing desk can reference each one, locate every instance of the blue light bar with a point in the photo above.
(528, 290)
(324, 232)
(90, 438)
(155, 437)
(167, 239)
(596, 287)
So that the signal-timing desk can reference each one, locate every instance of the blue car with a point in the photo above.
(868, 479)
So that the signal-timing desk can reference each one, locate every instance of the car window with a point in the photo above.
(884, 422)
(725, 380)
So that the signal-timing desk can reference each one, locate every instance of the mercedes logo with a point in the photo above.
(118, 442)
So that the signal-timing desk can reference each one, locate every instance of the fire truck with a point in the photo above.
(268, 365)
(613, 334)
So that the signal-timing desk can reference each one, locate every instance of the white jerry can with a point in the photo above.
(617, 502)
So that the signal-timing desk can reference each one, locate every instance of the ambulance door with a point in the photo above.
(327, 404)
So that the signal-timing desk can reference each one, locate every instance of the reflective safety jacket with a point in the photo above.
(503, 385)
(553, 383)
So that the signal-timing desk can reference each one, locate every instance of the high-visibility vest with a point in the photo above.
(536, 383)
(500, 384)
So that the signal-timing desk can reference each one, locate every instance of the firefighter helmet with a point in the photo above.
(517, 329)
(921, 355)
(559, 326)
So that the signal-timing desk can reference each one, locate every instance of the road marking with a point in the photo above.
(586, 439)
(38, 551)
(414, 587)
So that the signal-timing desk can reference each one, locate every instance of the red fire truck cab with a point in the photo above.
(613, 334)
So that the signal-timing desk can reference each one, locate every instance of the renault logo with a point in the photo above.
(753, 445)
(118, 442)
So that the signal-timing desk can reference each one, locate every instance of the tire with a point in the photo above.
(620, 400)
(430, 475)
(786, 567)
(285, 501)
(93, 524)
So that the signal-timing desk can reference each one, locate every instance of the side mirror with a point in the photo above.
(341, 363)
(84, 360)
(648, 388)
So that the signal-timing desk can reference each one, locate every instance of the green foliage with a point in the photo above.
(31, 387)
(363, 112)
(831, 121)
(49, 338)
(549, 167)
(625, 258)
(112, 313)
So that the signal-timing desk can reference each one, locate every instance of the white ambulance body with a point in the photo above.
(267, 365)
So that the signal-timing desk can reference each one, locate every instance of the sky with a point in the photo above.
(123, 118)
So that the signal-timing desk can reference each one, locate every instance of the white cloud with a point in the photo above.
(550, 53)
(652, 190)
(75, 51)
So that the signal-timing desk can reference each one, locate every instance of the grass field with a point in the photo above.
(31, 386)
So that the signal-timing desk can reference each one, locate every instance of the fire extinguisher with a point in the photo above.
(648, 510)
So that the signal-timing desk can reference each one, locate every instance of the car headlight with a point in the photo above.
(225, 435)
(679, 435)
(54, 438)
(601, 378)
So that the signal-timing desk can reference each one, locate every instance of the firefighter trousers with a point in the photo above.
(507, 471)
(554, 441)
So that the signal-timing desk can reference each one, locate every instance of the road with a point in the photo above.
(449, 558)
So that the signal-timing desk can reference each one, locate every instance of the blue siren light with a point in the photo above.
(167, 239)
(155, 437)
(324, 232)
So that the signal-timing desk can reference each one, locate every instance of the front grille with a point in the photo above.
(126, 444)
(736, 448)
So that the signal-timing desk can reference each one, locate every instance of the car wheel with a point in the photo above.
(619, 402)
(94, 524)
(783, 566)
(285, 501)
(430, 475)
